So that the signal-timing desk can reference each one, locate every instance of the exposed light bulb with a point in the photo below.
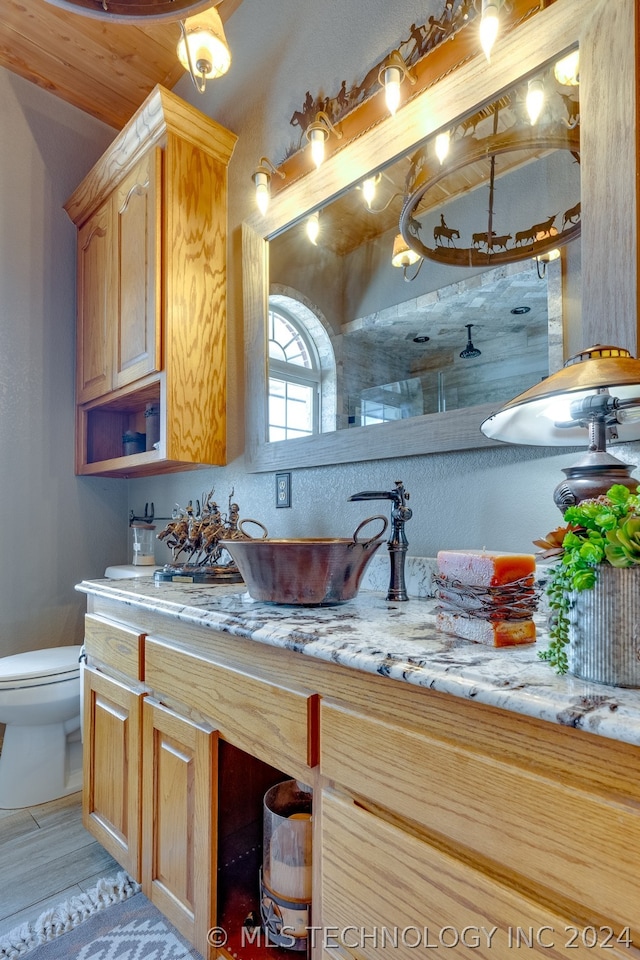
(558, 407)
(317, 139)
(567, 70)
(442, 146)
(261, 181)
(489, 22)
(262, 197)
(629, 415)
(392, 80)
(369, 190)
(313, 227)
(535, 99)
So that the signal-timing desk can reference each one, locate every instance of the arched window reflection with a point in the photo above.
(302, 371)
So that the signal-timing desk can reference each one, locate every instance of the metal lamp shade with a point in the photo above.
(531, 417)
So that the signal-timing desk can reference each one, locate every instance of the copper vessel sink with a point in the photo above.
(309, 572)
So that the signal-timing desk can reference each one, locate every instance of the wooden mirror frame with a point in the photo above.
(608, 123)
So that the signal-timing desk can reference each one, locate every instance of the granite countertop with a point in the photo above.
(398, 640)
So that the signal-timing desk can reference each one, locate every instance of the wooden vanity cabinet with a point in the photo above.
(434, 816)
(179, 751)
(479, 820)
(151, 314)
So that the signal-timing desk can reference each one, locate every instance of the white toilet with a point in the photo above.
(41, 757)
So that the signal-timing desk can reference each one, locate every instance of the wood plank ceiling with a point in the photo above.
(106, 69)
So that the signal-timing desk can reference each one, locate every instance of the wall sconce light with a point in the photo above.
(403, 256)
(567, 70)
(535, 99)
(489, 23)
(443, 142)
(313, 227)
(262, 180)
(318, 133)
(203, 49)
(392, 73)
(597, 391)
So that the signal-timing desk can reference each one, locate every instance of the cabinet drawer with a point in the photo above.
(274, 722)
(114, 645)
(540, 828)
(386, 892)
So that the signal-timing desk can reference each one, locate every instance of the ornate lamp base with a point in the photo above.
(591, 477)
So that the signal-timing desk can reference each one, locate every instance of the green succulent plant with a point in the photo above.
(623, 548)
(605, 529)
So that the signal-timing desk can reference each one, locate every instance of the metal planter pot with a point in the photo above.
(604, 629)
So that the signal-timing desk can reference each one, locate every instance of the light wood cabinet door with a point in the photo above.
(96, 302)
(179, 863)
(137, 217)
(112, 767)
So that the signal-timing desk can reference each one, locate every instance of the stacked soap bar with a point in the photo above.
(486, 596)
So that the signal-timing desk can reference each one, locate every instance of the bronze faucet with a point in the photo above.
(397, 543)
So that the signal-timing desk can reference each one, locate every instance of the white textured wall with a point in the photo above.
(56, 528)
(499, 498)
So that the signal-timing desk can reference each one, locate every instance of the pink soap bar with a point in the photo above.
(501, 633)
(485, 568)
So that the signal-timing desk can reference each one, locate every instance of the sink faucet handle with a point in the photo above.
(398, 494)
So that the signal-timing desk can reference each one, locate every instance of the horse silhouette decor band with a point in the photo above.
(422, 39)
(478, 159)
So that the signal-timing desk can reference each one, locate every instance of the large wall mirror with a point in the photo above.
(410, 359)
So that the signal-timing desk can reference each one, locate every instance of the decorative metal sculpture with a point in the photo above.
(421, 40)
(194, 533)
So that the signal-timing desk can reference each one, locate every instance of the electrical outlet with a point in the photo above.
(283, 489)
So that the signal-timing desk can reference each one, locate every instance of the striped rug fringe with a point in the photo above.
(64, 917)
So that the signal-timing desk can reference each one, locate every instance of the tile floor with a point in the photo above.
(46, 856)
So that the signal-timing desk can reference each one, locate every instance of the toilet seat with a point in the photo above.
(37, 668)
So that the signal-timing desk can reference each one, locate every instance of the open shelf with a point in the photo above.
(107, 422)
(243, 782)
(101, 425)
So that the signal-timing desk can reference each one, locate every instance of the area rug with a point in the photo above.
(114, 921)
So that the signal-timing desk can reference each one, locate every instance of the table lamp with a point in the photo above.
(594, 397)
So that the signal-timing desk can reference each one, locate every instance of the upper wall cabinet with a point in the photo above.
(151, 331)
(119, 274)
